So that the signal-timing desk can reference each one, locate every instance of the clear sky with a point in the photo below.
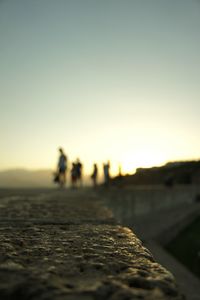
(104, 79)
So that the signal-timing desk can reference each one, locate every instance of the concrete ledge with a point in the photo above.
(157, 228)
(77, 261)
(143, 200)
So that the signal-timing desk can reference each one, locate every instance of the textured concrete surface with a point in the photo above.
(66, 245)
(156, 229)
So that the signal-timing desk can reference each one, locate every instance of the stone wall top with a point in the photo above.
(66, 245)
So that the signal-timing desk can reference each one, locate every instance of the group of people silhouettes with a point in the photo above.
(76, 172)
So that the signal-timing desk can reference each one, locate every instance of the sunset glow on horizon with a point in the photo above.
(110, 80)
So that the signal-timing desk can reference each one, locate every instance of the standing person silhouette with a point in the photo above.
(106, 171)
(74, 175)
(94, 175)
(79, 168)
(62, 167)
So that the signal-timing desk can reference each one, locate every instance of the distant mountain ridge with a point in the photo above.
(26, 178)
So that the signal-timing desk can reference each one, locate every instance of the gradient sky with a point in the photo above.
(104, 79)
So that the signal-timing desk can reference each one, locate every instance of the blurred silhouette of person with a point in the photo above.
(106, 172)
(119, 177)
(79, 168)
(94, 175)
(62, 168)
(73, 175)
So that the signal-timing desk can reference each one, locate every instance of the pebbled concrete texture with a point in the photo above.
(66, 245)
(155, 228)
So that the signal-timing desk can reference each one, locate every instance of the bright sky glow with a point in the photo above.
(109, 79)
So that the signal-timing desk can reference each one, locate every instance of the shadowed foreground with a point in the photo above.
(66, 245)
